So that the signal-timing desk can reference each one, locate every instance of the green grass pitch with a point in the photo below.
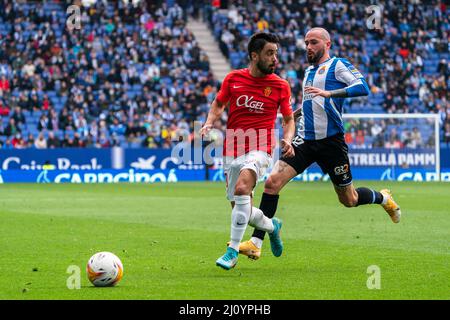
(168, 237)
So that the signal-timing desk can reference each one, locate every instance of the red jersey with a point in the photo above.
(253, 106)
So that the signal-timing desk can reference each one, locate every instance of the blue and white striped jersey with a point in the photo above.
(322, 117)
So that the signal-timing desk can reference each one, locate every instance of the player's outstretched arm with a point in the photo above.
(361, 88)
(355, 90)
(350, 77)
(297, 114)
(214, 114)
(288, 134)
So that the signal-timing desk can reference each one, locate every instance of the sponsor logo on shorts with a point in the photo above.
(297, 141)
(340, 170)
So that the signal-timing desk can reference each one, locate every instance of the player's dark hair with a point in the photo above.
(259, 40)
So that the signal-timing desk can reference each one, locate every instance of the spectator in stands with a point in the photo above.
(439, 85)
(150, 141)
(18, 116)
(18, 142)
(53, 122)
(404, 51)
(375, 128)
(262, 25)
(442, 68)
(40, 142)
(28, 69)
(4, 109)
(12, 129)
(7, 144)
(132, 130)
(81, 125)
(24, 101)
(388, 104)
(416, 138)
(350, 136)
(359, 139)
(45, 105)
(43, 122)
(116, 127)
(4, 86)
(52, 141)
(103, 142)
(34, 104)
(393, 143)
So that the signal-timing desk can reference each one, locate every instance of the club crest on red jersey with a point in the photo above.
(267, 91)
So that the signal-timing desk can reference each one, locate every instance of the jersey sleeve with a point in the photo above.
(346, 73)
(223, 96)
(286, 100)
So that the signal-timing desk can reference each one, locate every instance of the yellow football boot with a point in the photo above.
(391, 207)
(248, 248)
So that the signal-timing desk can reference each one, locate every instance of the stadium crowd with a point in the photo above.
(134, 75)
(126, 77)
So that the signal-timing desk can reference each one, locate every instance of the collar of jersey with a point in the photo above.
(323, 62)
(264, 77)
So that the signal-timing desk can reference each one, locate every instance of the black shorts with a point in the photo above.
(331, 154)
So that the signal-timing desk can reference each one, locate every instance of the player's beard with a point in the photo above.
(266, 69)
(315, 57)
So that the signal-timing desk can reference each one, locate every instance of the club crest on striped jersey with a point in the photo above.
(267, 91)
(322, 70)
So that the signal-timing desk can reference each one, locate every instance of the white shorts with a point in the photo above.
(257, 161)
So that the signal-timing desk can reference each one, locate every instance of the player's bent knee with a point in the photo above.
(272, 186)
(242, 189)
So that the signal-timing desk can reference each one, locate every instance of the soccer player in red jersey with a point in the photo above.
(253, 96)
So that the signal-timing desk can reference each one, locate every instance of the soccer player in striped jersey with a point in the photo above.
(320, 136)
